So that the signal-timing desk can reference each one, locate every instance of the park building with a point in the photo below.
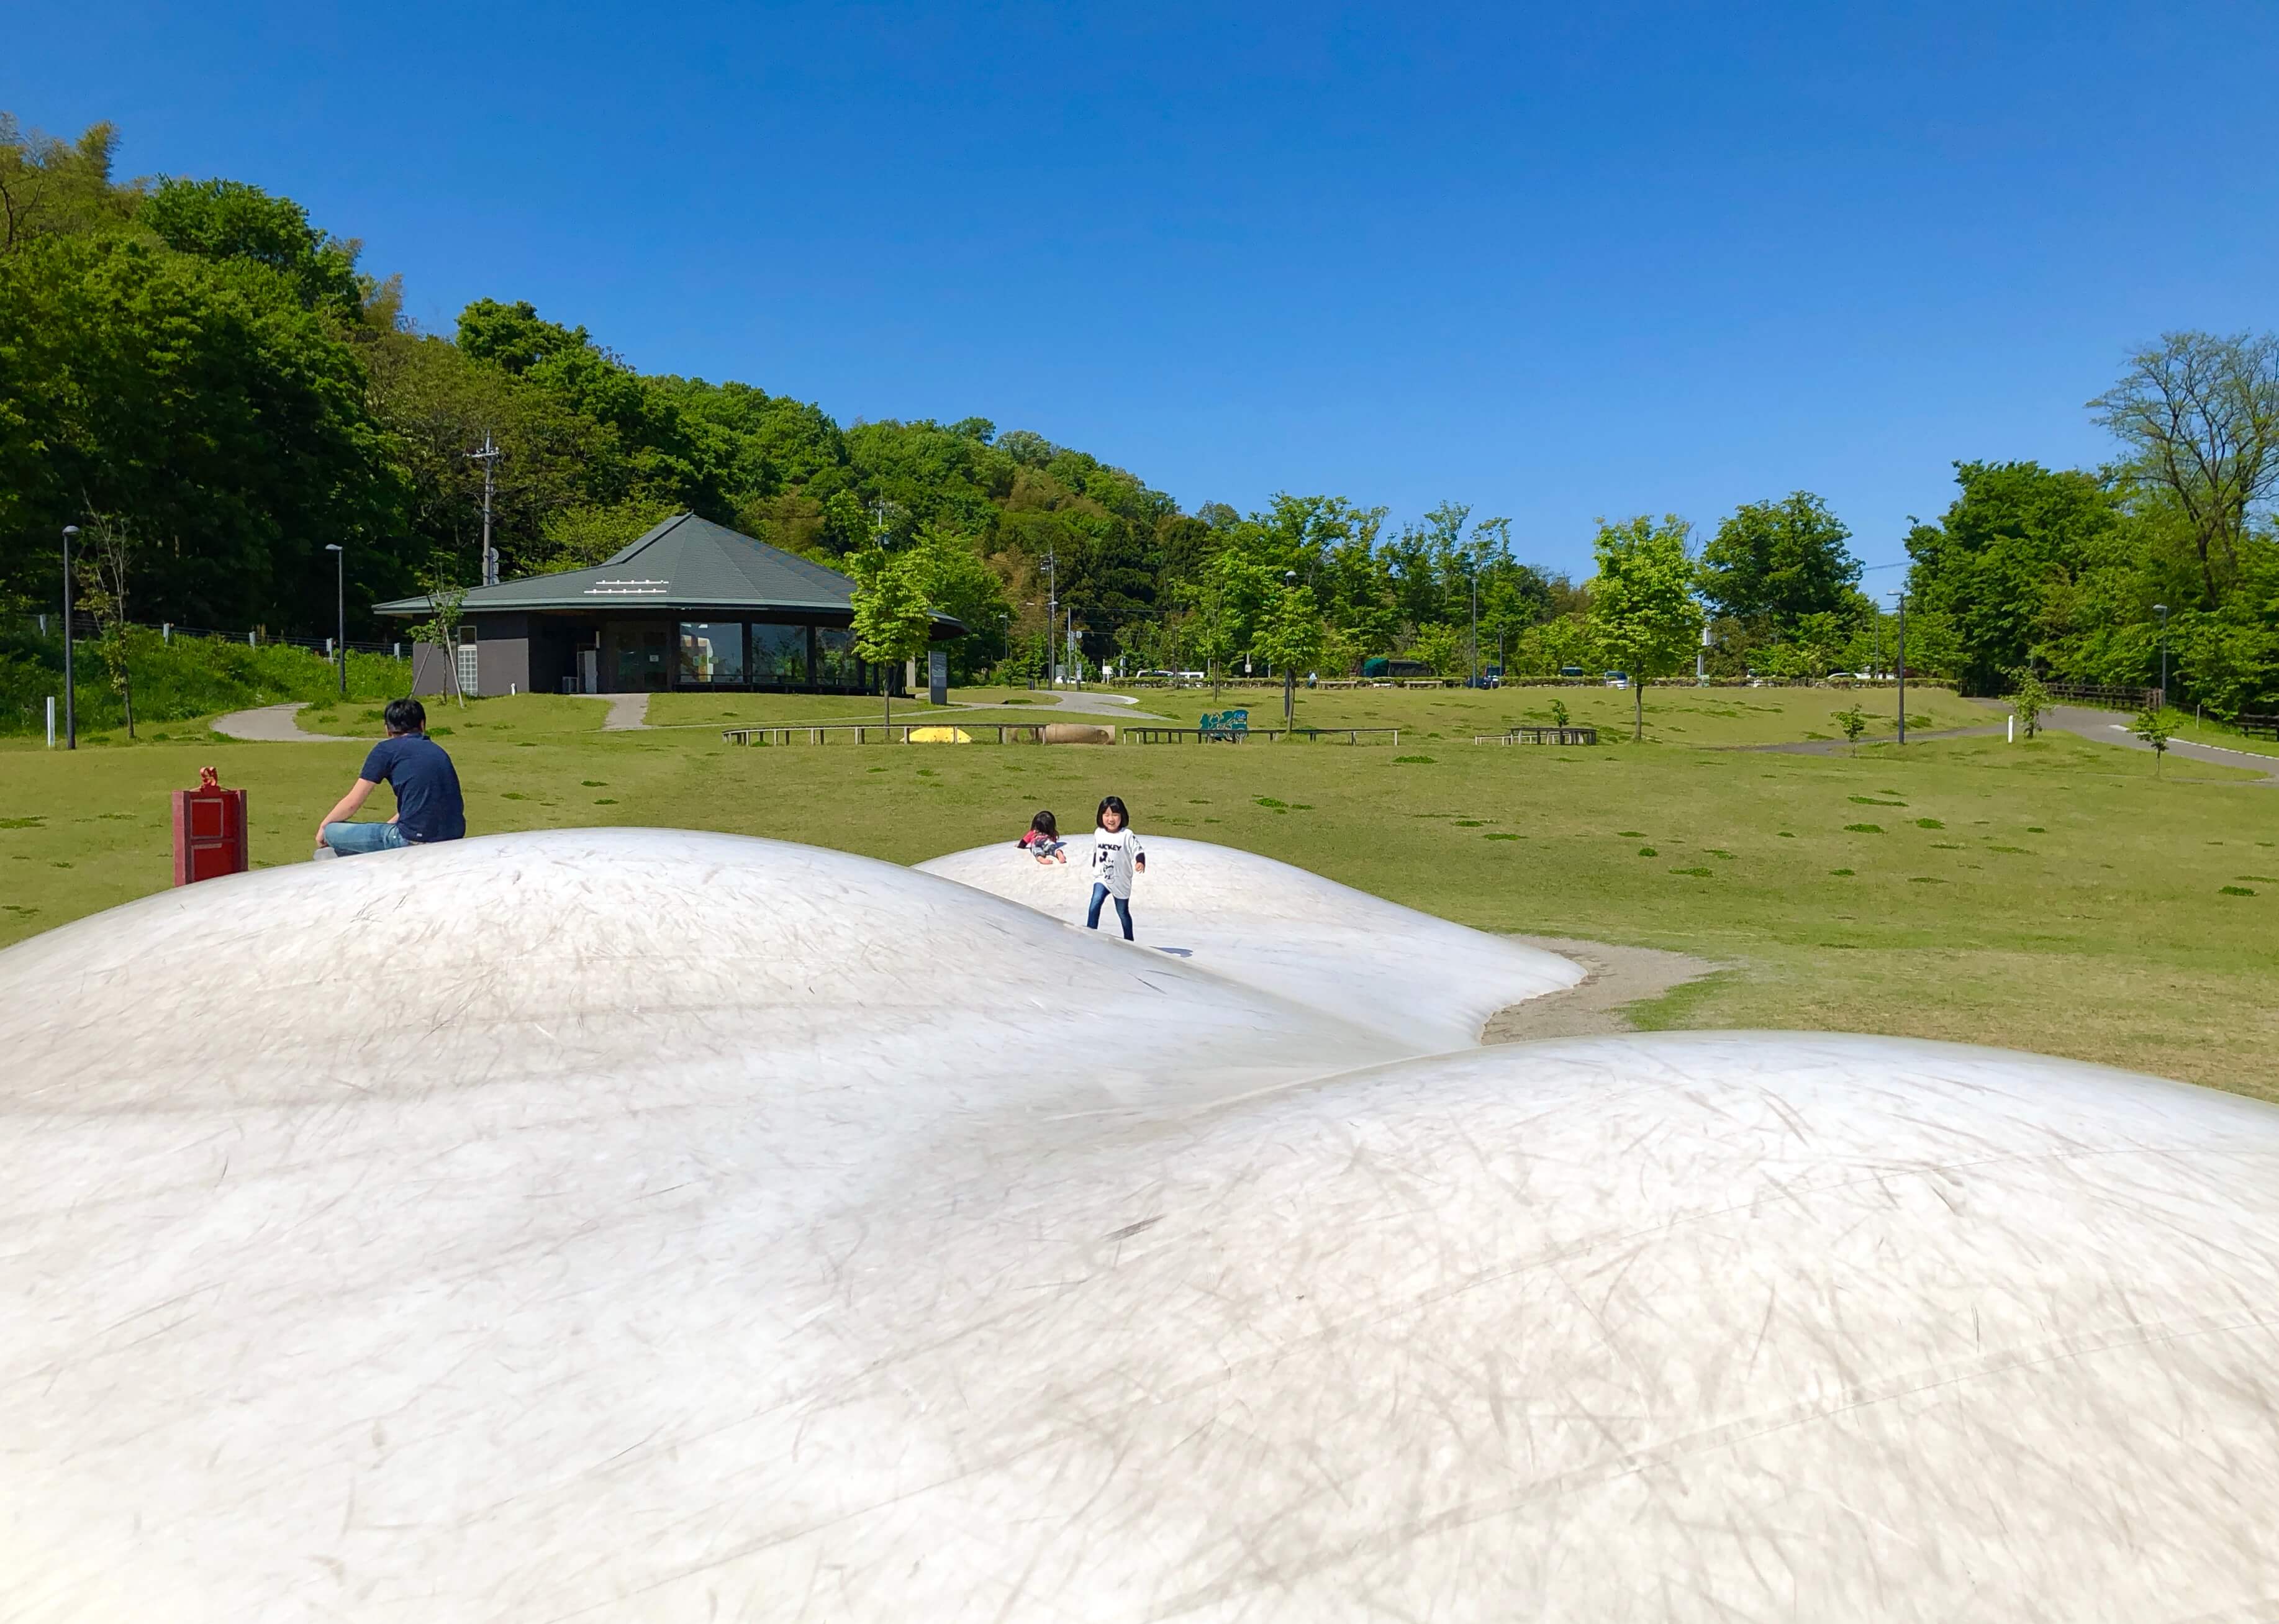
(690, 605)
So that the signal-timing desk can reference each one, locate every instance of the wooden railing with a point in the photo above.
(1135, 733)
(879, 733)
(1539, 735)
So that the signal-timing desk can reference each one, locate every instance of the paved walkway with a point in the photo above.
(628, 712)
(1837, 747)
(274, 724)
(2112, 728)
(1091, 700)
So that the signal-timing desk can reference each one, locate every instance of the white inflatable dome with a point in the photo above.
(659, 1225)
(1431, 984)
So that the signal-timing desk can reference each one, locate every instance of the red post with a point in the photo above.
(210, 834)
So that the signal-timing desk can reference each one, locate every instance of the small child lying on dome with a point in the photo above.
(1043, 841)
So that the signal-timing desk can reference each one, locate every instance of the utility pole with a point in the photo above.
(1052, 619)
(489, 457)
(1903, 665)
(70, 698)
(340, 585)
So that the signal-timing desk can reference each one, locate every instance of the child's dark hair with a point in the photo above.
(1116, 803)
(1044, 824)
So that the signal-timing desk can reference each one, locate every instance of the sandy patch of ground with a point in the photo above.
(1614, 977)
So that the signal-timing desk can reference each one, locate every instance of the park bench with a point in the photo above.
(2257, 726)
(1229, 726)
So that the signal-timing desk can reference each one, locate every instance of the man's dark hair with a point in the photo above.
(405, 716)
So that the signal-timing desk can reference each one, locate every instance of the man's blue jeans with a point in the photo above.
(355, 839)
(1122, 910)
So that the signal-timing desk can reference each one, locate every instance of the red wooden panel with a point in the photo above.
(210, 832)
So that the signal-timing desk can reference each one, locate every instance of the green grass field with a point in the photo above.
(1711, 716)
(2051, 895)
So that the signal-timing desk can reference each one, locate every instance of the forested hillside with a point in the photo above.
(219, 384)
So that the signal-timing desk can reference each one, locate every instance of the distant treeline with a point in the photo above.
(195, 368)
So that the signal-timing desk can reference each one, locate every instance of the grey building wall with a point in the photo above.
(501, 653)
(431, 670)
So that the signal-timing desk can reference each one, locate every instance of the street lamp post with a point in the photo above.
(2162, 611)
(340, 588)
(1903, 667)
(71, 697)
(1474, 680)
(1289, 670)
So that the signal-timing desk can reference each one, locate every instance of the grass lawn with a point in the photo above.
(2050, 896)
(1701, 716)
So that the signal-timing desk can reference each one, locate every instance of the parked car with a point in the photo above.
(1615, 678)
(1570, 670)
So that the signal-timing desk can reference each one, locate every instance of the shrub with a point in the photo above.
(178, 679)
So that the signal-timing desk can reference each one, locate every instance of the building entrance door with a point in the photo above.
(589, 671)
(644, 655)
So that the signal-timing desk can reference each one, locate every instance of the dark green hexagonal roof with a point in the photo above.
(684, 563)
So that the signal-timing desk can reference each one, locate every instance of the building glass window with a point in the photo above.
(835, 665)
(712, 651)
(779, 655)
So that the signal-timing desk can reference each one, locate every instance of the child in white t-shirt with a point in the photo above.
(1116, 857)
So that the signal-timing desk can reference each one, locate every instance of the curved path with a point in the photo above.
(1088, 701)
(274, 724)
(2112, 728)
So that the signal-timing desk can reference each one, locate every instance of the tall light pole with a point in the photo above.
(1052, 619)
(71, 699)
(1289, 670)
(341, 584)
(1474, 680)
(2162, 611)
(489, 457)
(1903, 665)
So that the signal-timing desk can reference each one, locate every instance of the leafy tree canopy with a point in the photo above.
(1774, 563)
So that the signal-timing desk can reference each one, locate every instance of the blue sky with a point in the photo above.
(1555, 262)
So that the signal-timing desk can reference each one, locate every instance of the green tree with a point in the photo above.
(447, 597)
(229, 219)
(1642, 602)
(1854, 722)
(2152, 728)
(2028, 700)
(2003, 569)
(1772, 564)
(1290, 635)
(1439, 646)
(513, 338)
(2200, 416)
(49, 188)
(892, 619)
(956, 581)
(203, 398)
(578, 537)
(107, 550)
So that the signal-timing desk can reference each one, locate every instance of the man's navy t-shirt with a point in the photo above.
(427, 803)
